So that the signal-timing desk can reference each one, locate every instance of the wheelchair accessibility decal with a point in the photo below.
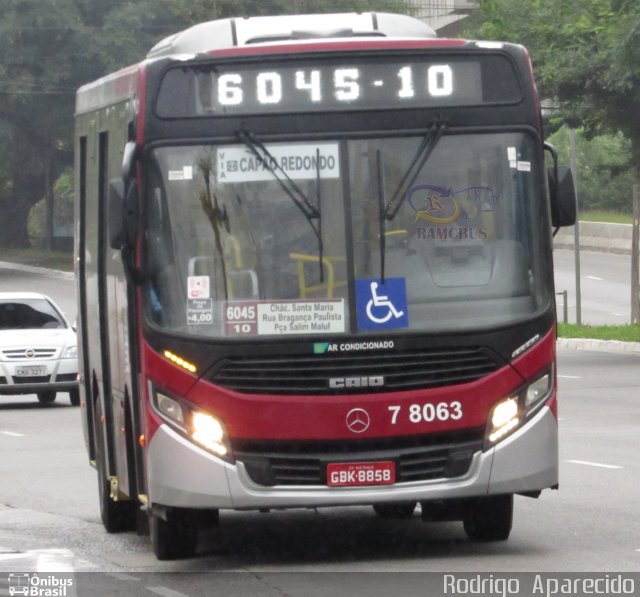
(382, 306)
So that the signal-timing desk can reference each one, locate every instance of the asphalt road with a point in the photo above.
(605, 285)
(49, 516)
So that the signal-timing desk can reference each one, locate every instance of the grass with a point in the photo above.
(625, 333)
(60, 260)
(600, 215)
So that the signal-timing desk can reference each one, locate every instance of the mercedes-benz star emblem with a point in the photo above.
(358, 420)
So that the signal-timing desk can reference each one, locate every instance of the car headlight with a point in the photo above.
(508, 414)
(199, 426)
(70, 353)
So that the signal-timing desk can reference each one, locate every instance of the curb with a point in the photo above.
(32, 269)
(612, 346)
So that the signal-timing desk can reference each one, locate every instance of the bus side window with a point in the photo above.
(164, 295)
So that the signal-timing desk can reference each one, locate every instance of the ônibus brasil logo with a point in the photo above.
(39, 585)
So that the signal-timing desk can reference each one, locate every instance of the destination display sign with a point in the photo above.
(299, 161)
(356, 83)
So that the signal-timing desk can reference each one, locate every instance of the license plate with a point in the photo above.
(357, 474)
(32, 371)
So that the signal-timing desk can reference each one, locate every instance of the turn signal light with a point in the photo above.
(177, 360)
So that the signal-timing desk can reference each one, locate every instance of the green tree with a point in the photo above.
(48, 48)
(603, 169)
(585, 55)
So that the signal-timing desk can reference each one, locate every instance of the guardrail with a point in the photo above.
(597, 236)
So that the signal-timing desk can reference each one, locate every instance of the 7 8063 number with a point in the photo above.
(427, 413)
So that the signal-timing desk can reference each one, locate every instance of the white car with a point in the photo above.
(38, 348)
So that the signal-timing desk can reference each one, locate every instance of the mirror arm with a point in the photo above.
(554, 154)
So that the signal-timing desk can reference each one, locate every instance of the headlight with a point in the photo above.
(508, 414)
(208, 432)
(199, 426)
(70, 353)
(170, 408)
(504, 419)
(537, 391)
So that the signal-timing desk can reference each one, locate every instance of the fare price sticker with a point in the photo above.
(200, 311)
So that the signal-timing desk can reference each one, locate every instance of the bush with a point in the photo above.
(605, 177)
(62, 212)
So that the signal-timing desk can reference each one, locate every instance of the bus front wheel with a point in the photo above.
(489, 518)
(174, 534)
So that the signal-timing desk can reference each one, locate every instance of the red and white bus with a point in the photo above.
(314, 269)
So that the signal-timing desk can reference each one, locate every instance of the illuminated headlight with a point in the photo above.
(70, 353)
(209, 433)
(508, 414)
(200, 427)
(504, 419)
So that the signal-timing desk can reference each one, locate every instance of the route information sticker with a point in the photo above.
(278, 318)
(300, 162)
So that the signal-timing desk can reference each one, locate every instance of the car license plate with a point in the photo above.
(31, 371)
(356, 474)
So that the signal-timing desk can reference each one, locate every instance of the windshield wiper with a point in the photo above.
(390, 210)
(428, 144)
(293, 191)
(271, 164)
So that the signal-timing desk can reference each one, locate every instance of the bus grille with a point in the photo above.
(433, 460)
(308, 374)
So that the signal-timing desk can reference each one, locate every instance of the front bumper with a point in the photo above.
(183, 475)
(60, 376)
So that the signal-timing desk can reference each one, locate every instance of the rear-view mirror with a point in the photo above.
(563, 196)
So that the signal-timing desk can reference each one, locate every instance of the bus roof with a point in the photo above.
(234, 32)
(225, 34)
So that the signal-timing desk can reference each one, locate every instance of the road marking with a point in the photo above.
(54, 560)
(122, 576)
(570, 376)
(599, 465)
(595, 278)
(12, 433)
(165, 592)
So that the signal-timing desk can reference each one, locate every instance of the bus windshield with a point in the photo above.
(302, 239)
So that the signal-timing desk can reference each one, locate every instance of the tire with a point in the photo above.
(74, 397)
(489, 519)
(116, 516)
(46, 397)
(395, 510)
(176, 537)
